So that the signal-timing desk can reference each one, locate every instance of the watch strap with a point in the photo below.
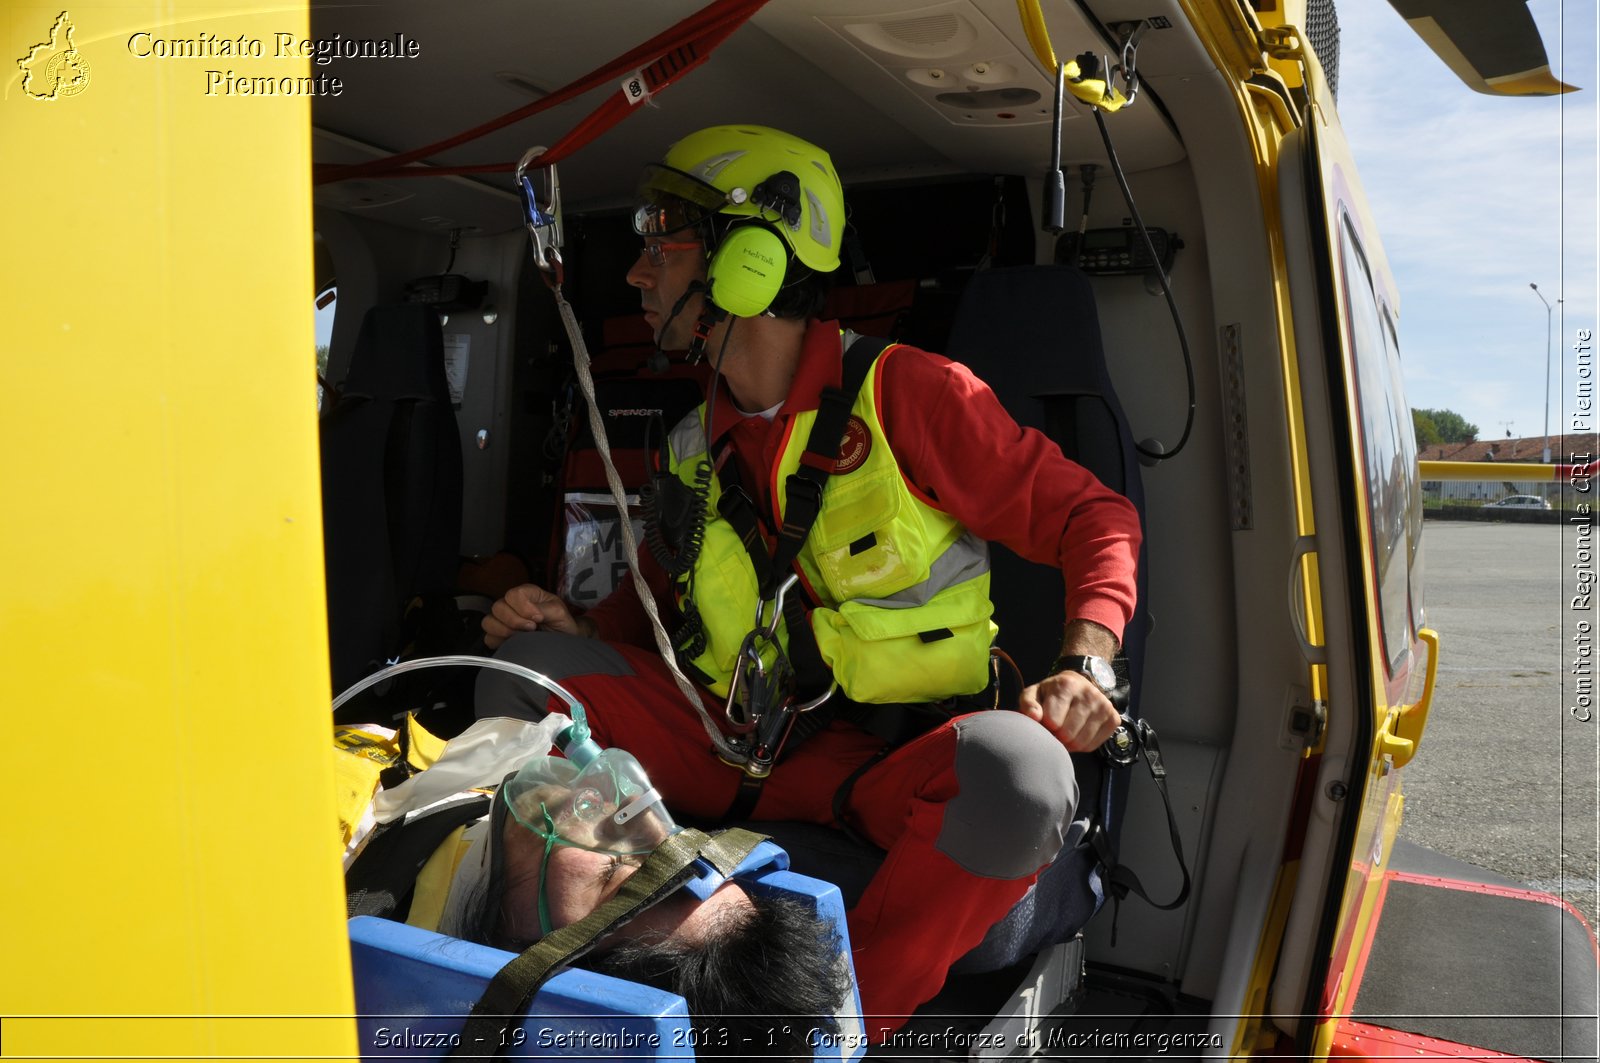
(1072, 662)
(1118, 694)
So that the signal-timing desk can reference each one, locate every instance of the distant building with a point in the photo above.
(1564, 450)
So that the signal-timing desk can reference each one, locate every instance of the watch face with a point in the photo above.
(1101, 672)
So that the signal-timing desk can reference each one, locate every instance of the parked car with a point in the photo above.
(1519, 502)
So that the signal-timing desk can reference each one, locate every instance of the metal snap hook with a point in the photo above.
(541, 212)
(733, 711)
(768, 625)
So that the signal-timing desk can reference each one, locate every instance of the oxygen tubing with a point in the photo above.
(471, 660)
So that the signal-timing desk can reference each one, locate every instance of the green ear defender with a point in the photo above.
(746, 270)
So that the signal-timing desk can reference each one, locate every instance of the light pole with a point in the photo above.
(1547, 309)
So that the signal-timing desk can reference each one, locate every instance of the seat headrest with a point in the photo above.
(399, 355)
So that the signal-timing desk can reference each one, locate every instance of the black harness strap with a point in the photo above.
(1120, 879)
(803, 489)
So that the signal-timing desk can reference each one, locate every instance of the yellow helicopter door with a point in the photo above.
(1379, 666)
(172, 885)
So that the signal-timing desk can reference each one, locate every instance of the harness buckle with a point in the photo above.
(804, 503)
(764, 687)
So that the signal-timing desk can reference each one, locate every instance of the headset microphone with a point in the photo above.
(658, 360)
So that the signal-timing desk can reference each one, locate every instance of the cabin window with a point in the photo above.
(327, 305)
(1413, 490)
(325, 284)
(1388, 449)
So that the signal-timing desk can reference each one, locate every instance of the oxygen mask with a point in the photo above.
(595, 799)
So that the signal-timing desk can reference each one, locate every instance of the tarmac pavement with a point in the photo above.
(1506, 776)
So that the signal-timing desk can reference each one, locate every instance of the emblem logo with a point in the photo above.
(854, 447)
(54, 69)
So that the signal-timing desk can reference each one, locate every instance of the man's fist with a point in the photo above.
(528, 608)
(1073, 709)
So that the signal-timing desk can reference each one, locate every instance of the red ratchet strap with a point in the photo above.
(664, 59)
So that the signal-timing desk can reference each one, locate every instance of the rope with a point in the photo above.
(580, 358)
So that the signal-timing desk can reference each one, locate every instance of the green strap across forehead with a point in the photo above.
(511, 990)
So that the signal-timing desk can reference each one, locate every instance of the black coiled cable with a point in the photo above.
(675, 537)
(690, 640)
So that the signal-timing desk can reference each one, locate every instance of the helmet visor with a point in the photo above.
(607, 806)
(668, 201)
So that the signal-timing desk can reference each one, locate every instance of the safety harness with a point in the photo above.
(803, 680)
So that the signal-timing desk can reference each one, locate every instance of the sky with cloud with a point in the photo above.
(1476, 197)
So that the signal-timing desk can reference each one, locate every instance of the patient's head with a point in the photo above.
(571, 881)
(749, 965)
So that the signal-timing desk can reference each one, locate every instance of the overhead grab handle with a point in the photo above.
(1095, 91)
(1314, 654)
(1083, 75)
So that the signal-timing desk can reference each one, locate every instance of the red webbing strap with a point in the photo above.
(665, 58)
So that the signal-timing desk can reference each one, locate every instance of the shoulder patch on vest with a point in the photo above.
(855, 446)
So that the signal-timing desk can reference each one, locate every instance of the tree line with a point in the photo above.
(1442, 426)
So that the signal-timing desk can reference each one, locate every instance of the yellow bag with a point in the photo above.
(363, 755)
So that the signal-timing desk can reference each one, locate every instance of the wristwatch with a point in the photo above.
(1098, 669)
(1123, 745)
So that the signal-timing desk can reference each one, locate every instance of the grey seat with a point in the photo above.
(391, 488)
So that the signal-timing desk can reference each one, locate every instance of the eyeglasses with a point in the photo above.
(656, 251)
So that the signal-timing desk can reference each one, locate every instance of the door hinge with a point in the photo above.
(1282, 42)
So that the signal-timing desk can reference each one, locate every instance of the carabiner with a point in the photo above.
(750, 671)
(1127, 69)
(807, 706)
(541, 213)
(741, 723)
(768, 626)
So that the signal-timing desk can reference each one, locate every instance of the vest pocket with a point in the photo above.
(923, 653)
(862, 543)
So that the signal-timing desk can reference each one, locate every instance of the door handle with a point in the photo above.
(1405, 732)
(1305, 544)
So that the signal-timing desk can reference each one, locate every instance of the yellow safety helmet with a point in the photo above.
(786, 186)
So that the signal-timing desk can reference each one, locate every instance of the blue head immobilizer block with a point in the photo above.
(414, 989)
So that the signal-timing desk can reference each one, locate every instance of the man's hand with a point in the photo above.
(1069, 705)
(1073, 709)
(530, 608)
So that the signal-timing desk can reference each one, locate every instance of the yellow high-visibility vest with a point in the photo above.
(903, 587)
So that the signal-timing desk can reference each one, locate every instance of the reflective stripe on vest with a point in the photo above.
(903, 587)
